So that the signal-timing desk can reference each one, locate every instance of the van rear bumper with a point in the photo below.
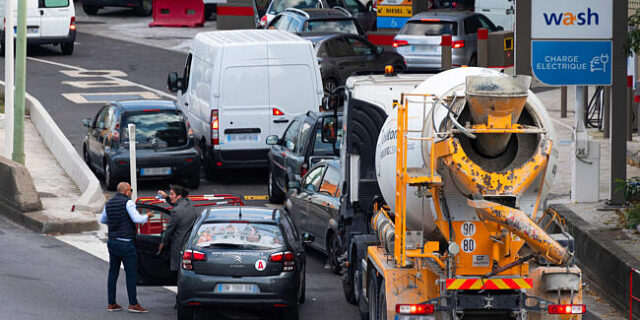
(256, 158)
(70, 38)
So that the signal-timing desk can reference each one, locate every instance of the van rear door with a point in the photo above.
(55, 17)
(293, 86)
(244, 99)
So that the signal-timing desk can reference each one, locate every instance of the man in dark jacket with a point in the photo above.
(120, 216)
(183, 217)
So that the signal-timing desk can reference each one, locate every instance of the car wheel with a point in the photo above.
(292, 312)
(276, 196)
(330, 84)
(382, 302)
(333, 251)
(85, 156)
(145, 8)
(109, 179)
(90, 9)
(348, 281)
(193, 182)
(185, 313)
(67, 48)
(372, 293)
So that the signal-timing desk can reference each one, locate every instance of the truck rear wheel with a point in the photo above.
(372, 293)
(382, 301)
(348, 279)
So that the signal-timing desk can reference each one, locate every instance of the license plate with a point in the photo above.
(155, 171)
(236, 288)
(242, 137)
(405, 317)
(425, 49)
(30, 30)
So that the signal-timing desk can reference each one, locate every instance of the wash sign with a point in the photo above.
(572, 62)
(571, 19)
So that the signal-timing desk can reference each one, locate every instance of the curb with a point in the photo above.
(602, 261)
(92, 199)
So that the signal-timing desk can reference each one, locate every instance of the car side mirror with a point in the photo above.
(173, 82)
(86, 122)
(273, 140)
(329, 130)
(307, 238)
(293, 185)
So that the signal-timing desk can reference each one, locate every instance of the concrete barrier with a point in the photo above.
(17, 192)
(92, 198)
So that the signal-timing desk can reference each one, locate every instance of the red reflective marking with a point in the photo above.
(512, 284)
(483, 34)
(235, 11)
(446, 41)
(467, 284)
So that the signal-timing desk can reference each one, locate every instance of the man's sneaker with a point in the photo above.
(114, 307)
(137, 308)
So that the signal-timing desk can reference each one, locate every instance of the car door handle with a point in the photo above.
(486, 10)
(186, 104)
(281, 121)
(42, 12)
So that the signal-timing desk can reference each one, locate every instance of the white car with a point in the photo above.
(277, 6)
(48, 22)
(241, 86)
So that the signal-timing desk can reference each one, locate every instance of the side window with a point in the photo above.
(110, 117)
(295, 24)
(485, 23)
(339, 48)
(360, 48)
(99, 122)
(283, 23)
(289, 230)
(312, 180)
(330, 182)
(322, 52)
(53, 3)
(304, 136)
(187, 73)
(291, 136)
(470, 26)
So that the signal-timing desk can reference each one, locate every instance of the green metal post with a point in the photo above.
(21, 81)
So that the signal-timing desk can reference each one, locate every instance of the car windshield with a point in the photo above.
(280, 5)
(429, 28)
(156, 129)
(342, 26)
(239, 235)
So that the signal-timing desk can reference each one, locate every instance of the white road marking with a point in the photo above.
(81, 98)
(158, 92)
(92, 73)
(98, 84)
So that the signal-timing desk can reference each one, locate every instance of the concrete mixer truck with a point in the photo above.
(441, 212)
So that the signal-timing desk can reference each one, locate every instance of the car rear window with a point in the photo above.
(341, 26)
(430, 28)
(281, 5)
(239, 235)
(156, 129)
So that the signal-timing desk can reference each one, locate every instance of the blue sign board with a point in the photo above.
(567, 63)
(391, 22)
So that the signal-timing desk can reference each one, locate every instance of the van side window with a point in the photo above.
(53, 3)
(187, 73)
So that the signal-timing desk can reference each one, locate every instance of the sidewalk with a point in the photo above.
(603, 246)
(56, 190)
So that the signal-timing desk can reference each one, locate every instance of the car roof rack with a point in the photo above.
(343, 10)
(298, 11)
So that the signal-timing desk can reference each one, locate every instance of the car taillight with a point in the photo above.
(263, 21)
(414, 308)
(277, 112)
(287, 258)
(191, 255)
(303, 169)
(458, 44)
(72, 26)
(400, 43)
(567, 309)
(215, 125)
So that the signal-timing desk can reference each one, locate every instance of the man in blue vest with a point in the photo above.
(120, 216)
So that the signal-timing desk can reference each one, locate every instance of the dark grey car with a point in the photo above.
(314, 207)
(299, 148)
(164, 146)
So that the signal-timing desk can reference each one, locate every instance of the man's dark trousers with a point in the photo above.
(125, 252)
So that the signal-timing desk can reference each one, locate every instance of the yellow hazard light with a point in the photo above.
(388, 71)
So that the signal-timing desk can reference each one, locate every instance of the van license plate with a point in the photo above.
(236, 288)
(408, 317)
(236, 137)
(165, 171)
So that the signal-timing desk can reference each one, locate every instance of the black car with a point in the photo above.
(164, 146)
(303, 21)
(300, 147)
(235, 257)
(141, 7)
(365, 14)
(341, 55)
(314, 207)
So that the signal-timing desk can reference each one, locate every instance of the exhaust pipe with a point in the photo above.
(497, 102)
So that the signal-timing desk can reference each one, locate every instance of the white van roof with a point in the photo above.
(228, 37)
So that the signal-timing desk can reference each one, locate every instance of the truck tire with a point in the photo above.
(382, 301)
(352, 279)
(372, 293)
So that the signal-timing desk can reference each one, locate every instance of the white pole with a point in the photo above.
(9, 79)
(132, 161)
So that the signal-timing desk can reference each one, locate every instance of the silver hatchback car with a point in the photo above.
(419, 39)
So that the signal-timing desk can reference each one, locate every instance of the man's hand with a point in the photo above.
(164, 195)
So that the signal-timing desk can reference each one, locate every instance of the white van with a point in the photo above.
(239, 87)
(48, 22)
(500, 12)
